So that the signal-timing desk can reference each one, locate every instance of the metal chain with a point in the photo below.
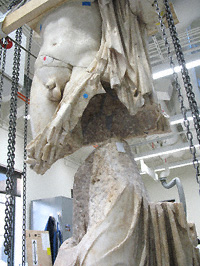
(14, 3)
(1, 50)
(178, 88)
(185, 75)
(25, 152)
(3, 63)
(10, 199)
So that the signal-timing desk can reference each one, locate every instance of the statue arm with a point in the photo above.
(62, 134)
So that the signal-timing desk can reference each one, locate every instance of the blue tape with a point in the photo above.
(86, 3)
(85, 95)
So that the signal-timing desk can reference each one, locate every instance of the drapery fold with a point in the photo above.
(118, 223)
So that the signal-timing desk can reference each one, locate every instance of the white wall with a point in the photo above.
(187, 176)
(57, 181)
(3, 149)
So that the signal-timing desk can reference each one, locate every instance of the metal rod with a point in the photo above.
(176, 181)
(22, 47)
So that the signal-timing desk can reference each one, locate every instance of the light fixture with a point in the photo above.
(169, 71)
(179, 165)
(179, 121)
(170, 167)
(175, 166)
(163, 153)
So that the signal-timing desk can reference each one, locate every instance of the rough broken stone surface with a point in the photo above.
(106, 117)
(115, 223)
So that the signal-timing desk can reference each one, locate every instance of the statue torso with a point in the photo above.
(72, 33)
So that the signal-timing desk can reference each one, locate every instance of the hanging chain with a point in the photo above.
(14, 3)
(27, 86)
(185, 75)
(178, 87)
(1, 50)
(3, 63)
(10, 199)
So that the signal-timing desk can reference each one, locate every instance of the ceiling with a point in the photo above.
(189, 34)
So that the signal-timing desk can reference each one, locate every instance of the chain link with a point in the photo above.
(1, 50)
(3, 63)
(14, 3)
(10, 198)
(176, 82)
(184, 71)
(27, 86)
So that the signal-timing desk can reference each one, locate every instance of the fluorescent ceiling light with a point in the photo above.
(163, 153)
(177, 69)
(180, 165)
(170, 167)
(175, 166)
(179, 121)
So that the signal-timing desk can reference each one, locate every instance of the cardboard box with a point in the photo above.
(38, 248)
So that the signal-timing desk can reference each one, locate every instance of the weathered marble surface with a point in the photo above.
(93, 82)
(114, 222)
(87, 51)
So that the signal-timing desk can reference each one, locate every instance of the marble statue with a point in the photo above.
(93, 84)
(91, 54)
(114, 222)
